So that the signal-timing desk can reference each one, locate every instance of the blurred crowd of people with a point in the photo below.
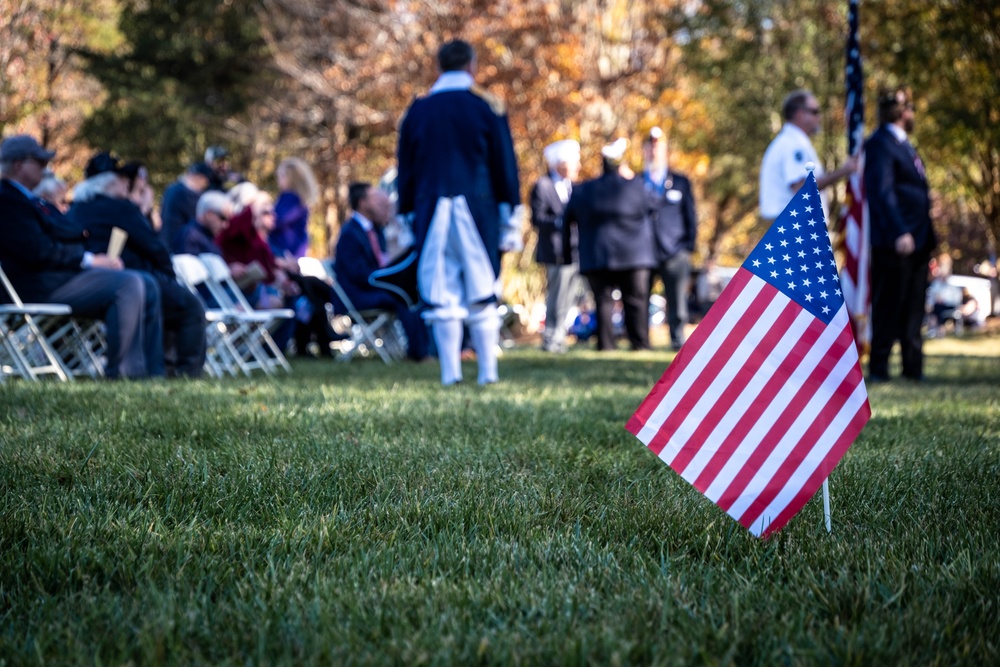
(602, 241)
(57, 251)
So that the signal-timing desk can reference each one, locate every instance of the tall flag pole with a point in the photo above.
(853, 224)
(767, 394)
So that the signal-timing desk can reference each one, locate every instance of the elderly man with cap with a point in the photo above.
(44, 256)
(675, 228)
(100, 204)
(617, 250)
(548, 201)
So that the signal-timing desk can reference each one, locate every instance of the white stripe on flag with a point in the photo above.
(732, 419)
(814, 459)
(793, 436)
(778, 404)
(737, 360)
(691, 374)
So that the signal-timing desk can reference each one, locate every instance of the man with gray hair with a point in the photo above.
(562, 271)
(44, 257)
(783, 170)
(100, 204)
(211, 217)
(53, 190)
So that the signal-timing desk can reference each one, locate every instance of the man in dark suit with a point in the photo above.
(100, 204)
(902, 237)
(44, 257)
(617, 250)
(562, 273)
(675, 227)
(361, 249)
(458, 179)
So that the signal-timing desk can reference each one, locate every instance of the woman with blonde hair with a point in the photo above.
(299, 191)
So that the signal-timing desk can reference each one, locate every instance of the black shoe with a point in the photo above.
(874, 378)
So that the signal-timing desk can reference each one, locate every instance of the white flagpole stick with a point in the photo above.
(826, 505)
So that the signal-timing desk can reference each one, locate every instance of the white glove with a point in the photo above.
(511, 239)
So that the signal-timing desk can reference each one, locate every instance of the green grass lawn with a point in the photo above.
(362, 514)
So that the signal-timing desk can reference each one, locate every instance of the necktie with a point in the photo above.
(916, 160)
(376, 248)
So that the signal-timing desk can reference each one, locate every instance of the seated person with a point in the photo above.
(211, 217)
(53, 190)
(361, 250)
(244, 243)
(100, 204)
(45, 259)
(180, 200)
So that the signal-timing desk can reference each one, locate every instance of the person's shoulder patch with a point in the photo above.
(495, 103)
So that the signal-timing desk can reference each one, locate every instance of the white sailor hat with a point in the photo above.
(614, 152)
(558, 152)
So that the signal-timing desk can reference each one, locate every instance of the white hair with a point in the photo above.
(242, 195)
(49, 185)
(93, 186)
(212, 201)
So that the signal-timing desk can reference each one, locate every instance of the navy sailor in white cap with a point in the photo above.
(549, 197)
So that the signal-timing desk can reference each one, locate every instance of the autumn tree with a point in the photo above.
(43, 90)
(948, 51)
(187, 69)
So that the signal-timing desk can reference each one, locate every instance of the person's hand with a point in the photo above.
(287, 263)
(905, 245)
(142, 196)
(237, 270)
(852, 164)
(626, 172)
(104, 262)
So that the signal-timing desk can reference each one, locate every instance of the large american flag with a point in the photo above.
(767, 395)
(853, 223)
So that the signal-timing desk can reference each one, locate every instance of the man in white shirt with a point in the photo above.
(783, 170)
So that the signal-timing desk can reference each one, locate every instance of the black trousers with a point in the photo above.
(634, 286)
(899, 288)
(183, 329)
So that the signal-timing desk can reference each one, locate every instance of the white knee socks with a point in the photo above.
(484, 329)
(448, 337)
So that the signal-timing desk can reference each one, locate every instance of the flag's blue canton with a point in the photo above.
(795, 255)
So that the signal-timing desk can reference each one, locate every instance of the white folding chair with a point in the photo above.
(372, 331)
(26, 350)
(223, 335)
(261, 350)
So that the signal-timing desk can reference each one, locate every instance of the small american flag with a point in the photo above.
(767, 395)
(853, 223)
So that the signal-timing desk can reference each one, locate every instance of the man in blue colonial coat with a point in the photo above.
(458, 180)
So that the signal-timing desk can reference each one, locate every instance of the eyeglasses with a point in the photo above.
(813, 110)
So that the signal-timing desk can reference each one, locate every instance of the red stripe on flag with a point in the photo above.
(690, 349)
(764, 398)
(712, 368)
(803, 394)
(808, 440)
(738, 384)
(808, 490)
